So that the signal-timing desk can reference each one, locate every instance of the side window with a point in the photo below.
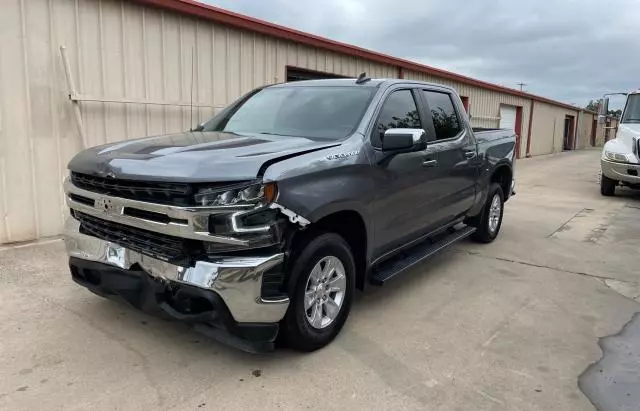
(399, 111)
(445, 118)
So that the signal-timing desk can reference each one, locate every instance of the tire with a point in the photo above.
(308, 329)
(488, 228)
(607, 186)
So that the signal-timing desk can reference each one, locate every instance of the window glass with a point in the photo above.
(632, 111)
(445, 119)
(311, 112)
(399, 111)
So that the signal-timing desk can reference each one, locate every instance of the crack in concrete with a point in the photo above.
(563, 227)
(530, 264)
(628, 289)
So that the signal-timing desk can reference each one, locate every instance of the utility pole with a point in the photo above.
(521, 85)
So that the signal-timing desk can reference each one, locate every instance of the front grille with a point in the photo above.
(180, 194)
(168, 248)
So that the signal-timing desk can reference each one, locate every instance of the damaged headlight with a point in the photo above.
(254, 194)
(259, 228)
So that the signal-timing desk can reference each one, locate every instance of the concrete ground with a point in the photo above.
(510, 325)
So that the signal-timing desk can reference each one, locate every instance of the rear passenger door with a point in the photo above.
(456, 153)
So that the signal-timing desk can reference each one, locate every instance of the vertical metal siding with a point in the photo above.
(547, 131)
(117, 50)
(584, 130)
(122, 50)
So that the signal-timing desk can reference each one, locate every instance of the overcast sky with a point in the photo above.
(570, 50)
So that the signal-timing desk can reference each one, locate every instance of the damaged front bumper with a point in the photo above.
(223, 293)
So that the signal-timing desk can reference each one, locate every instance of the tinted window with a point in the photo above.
(399, 111)
(445, 119)
(312, 112)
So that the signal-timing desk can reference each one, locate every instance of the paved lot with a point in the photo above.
(509, 325)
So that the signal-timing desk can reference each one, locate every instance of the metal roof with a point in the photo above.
(218, 15)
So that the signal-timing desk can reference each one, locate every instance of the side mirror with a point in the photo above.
(404, 139)
(603, 109)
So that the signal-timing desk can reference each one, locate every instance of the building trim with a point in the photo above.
(225, 17)
(528, 152)
(518, 127)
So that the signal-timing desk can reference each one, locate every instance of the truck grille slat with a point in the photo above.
(156, 245)
(180, 194)
(175, 194)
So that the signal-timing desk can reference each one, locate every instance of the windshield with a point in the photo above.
(632, 110)
(312, 112)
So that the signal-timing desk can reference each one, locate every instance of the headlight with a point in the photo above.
(255, 194)
(619, 157)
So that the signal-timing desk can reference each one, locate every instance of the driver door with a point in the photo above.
(406, 183)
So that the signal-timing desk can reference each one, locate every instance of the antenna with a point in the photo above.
(521, 85)
(191, 97)
(362, 78)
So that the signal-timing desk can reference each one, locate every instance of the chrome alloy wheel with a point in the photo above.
(325, 292)
(494, 213)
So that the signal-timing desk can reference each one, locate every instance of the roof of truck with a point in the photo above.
(334, 82)
(346, 82)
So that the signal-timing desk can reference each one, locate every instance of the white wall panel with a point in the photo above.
(547, 131)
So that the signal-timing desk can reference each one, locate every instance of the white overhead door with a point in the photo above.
(508, 117)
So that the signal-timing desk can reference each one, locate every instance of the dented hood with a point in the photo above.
(192, 156)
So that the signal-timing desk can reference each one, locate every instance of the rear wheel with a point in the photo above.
(489, 221)
(321, 290)
(607, 186)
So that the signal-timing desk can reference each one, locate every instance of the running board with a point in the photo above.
(416, 254)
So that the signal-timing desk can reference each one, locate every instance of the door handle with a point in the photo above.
(470, 154)
(430, 163)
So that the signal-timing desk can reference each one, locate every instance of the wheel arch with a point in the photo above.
(348, 223)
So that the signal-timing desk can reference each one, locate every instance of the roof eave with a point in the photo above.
(226, 17)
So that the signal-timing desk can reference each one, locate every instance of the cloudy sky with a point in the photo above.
(570, 50)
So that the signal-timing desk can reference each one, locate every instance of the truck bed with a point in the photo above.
(497, 142)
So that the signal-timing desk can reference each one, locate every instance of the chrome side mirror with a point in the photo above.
(404, 139)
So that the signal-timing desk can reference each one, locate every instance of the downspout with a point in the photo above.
(575, 134)
(528, 153)
(400, 72)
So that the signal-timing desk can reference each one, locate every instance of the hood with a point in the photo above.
(192, 156)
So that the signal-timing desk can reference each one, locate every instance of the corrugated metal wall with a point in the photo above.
(484, 105)
(585, 124)
(117, 50)
(547, 131)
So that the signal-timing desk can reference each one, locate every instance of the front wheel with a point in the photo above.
(321, 290)
(607, 186)
(488, 223)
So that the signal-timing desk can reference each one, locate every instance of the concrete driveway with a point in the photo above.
(510, 325)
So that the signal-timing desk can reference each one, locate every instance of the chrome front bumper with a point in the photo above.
(620, 171)
(237, 280)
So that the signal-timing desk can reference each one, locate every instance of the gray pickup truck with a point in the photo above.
(260, 224)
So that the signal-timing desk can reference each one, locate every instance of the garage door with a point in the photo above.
(508, 117)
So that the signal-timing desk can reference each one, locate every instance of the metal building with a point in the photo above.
(78, 73)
